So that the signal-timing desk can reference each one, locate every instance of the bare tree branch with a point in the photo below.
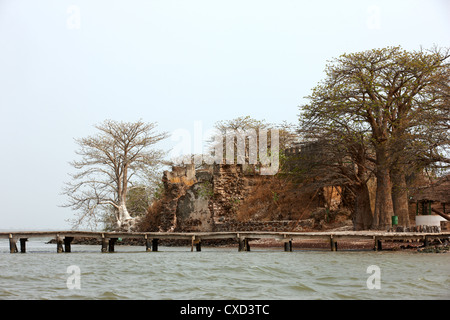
(109, 162)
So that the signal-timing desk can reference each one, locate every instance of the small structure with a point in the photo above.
(432, 199)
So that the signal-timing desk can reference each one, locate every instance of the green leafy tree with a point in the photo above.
(400, 101)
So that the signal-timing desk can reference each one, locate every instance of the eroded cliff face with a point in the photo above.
(199, 200)
(210, 199)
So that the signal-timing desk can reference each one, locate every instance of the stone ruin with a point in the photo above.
(204, 199)
(207, 199)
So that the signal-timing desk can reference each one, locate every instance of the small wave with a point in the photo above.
(6, 294)
(301, 287)
(110, 295)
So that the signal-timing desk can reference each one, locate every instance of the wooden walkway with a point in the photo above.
(108, 239)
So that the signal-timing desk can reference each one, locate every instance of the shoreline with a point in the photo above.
(357, 245)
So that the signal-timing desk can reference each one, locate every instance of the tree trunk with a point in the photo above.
(400, 196)
(123, 214)
(363, 212)
(384, 209)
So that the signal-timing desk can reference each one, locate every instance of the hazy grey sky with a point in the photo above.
(66, 65)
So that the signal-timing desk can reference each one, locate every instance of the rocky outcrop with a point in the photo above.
(208, 199)
(197, 200)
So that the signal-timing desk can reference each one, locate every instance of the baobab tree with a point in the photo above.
(111, 162)
(398, 97)
(336, 154)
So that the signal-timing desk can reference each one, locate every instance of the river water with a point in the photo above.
(219, 273)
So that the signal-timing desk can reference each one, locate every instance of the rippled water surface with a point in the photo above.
(219, 273)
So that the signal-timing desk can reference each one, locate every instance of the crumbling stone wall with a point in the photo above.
(231, 184)
(176, 182)
(193, 211)
(197, 200)
(207, 200)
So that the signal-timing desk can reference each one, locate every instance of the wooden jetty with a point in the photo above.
(108, 239)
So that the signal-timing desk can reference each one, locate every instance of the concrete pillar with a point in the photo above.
(67, 244)
(111, 244)
(241, 244)
(104, 244)
(333, 244)
(23, 245)
(377, 246)
(148, 244)
(59, 244)
(288, 246)
(12, 244)
(154, 244)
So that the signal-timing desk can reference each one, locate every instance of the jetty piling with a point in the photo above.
(246, 245)
(59, 244)
(240, 244)
(104, 244)
(378, 244)
(243, 244)
(155, 244)
(148, 245)
(288, 246)
(333, 244)
(23, 242)
(67, 244)
(111, 244)
(12, 244)
(198, 245)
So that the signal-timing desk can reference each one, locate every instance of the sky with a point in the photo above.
(185, 64)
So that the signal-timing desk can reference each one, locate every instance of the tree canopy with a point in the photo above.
(112, 161)
(394, 104)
